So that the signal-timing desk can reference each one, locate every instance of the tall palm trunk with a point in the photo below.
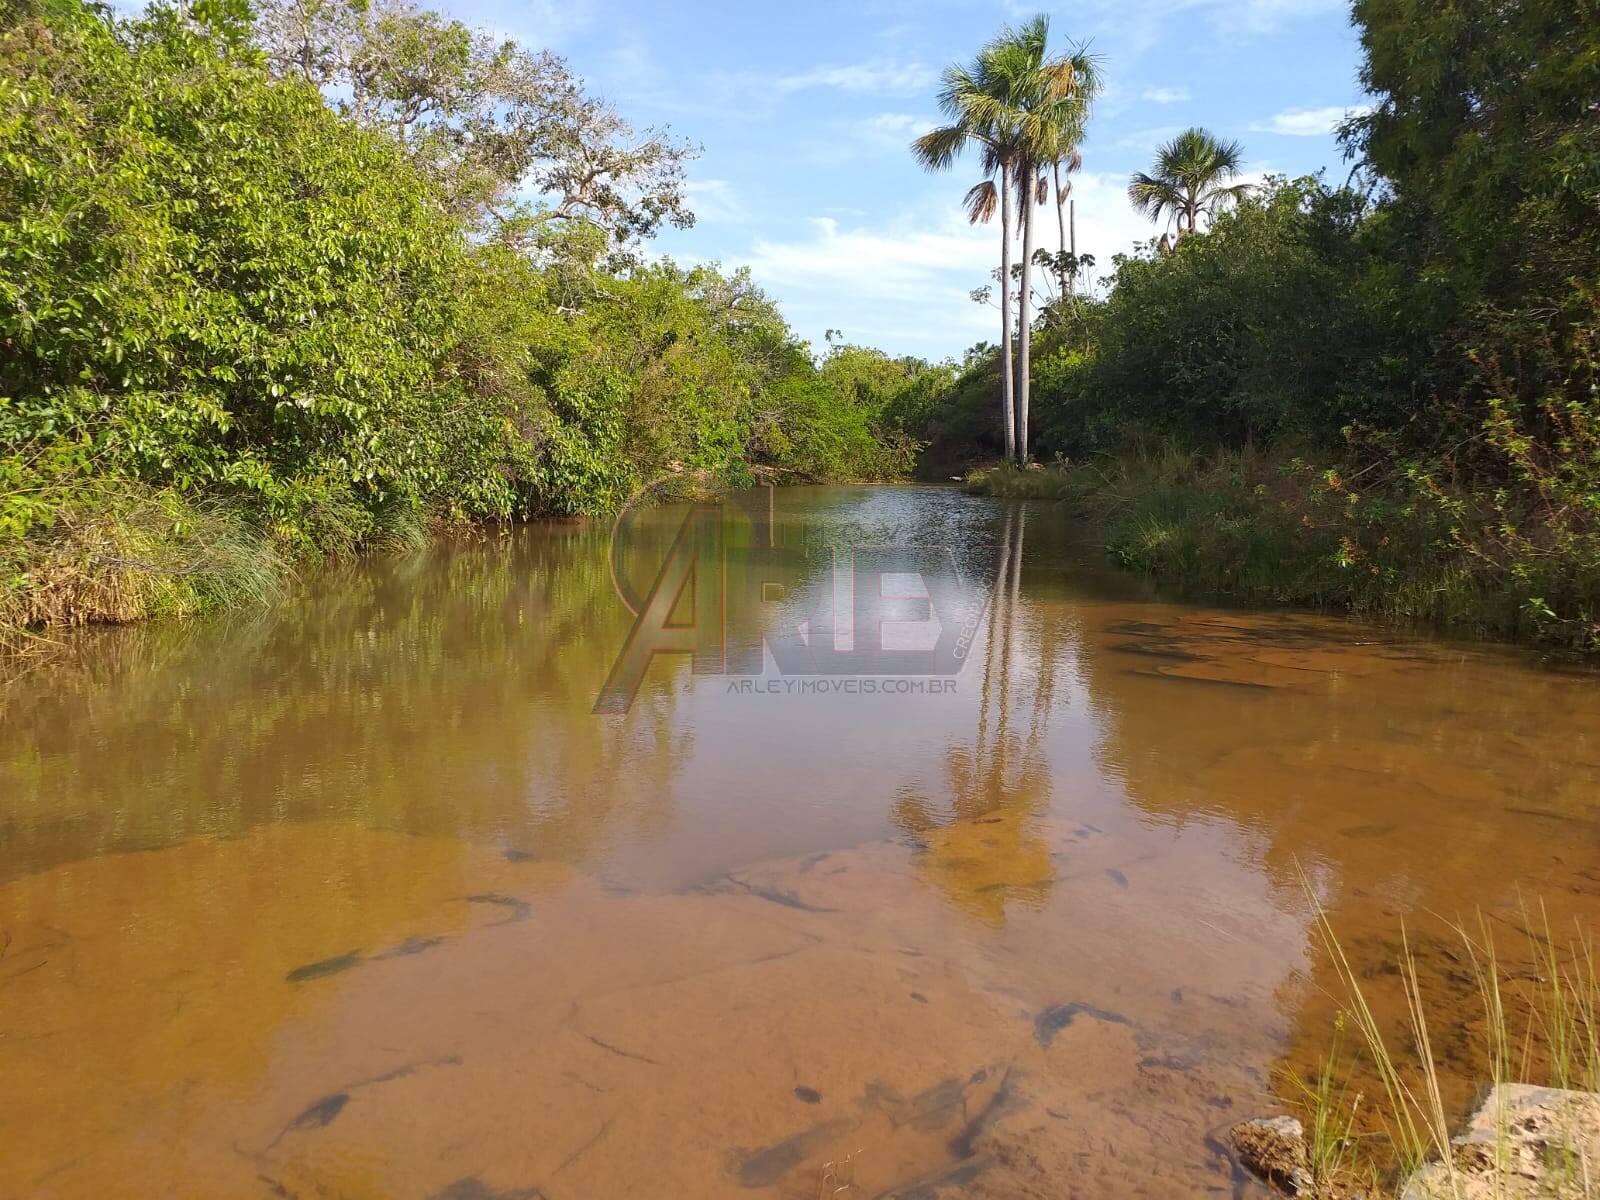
(1008, 401)
(1067, 287)
(1024, 318)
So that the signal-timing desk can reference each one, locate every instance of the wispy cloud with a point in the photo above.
(895, 262)
(904, 282)
(833, 144)
(1307, 122)
(882, 76)
(1146, 140)
(715, 200)
(892, 130)
(1166, 95)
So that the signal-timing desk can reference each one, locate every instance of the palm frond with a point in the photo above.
(1021, 108)
(1086, 73)
(956, 83)
(1227, 156)
(1153, 196)
(981, 201)
(938, 148)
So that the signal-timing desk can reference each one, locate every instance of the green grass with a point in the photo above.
(120, 552)
(1544, 1030)
(1272, 529)
(1332, 1134)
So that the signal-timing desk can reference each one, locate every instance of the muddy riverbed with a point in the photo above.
(361, 897)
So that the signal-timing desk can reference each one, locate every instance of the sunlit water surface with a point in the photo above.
(358, 897)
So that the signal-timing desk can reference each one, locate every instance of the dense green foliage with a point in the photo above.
(1387, 395)
(213, 281)
(229, 306)
(1263, 329)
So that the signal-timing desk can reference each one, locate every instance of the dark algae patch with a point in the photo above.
(1053, 1020)
(325, 967)
(767, 1166)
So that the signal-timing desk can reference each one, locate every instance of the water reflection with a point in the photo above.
(388, 853)
(1412, 784)
(440, 694)
(977, 838)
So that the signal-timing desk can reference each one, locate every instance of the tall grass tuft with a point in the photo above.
(1546, 1032)
(1333, 1152)
(114, 553)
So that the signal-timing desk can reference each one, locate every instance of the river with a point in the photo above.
(360, 896)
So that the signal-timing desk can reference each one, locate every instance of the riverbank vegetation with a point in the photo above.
(284, 282)
(1380, 395)
(1379, 1110)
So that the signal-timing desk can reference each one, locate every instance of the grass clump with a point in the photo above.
(1268, 527)
(114, 553)
(1538, 1027)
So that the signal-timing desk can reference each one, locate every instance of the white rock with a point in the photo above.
(1523, 1143)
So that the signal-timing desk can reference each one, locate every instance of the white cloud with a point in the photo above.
(892, 130)
(715, 200)
(898, 262)
(1107, 223)
(1145, 141)
(883, 76)
(1166, 95)
(1307, 122)
(905, 283)
(902, 284)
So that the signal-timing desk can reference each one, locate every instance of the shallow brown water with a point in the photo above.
(359, 898)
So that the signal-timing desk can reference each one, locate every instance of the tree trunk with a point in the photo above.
(1072, 235)
(1024, 317)
(1006, 377)
(1061, 228)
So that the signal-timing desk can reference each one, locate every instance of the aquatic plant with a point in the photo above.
(1549, 1034)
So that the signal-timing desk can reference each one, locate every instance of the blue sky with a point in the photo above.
(805, 111)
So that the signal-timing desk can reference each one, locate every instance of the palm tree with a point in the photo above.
(965, 98)
(1192, 179)
(1066, 166)
(1042, 105)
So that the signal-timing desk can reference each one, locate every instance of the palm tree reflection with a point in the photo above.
(979, 844)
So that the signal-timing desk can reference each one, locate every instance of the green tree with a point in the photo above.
(265, 294)
(1484, 135)
(1025, 111)
(1262, 331)
(1193, 178)
(1043, 103)
(489, 119)
(969, 96)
